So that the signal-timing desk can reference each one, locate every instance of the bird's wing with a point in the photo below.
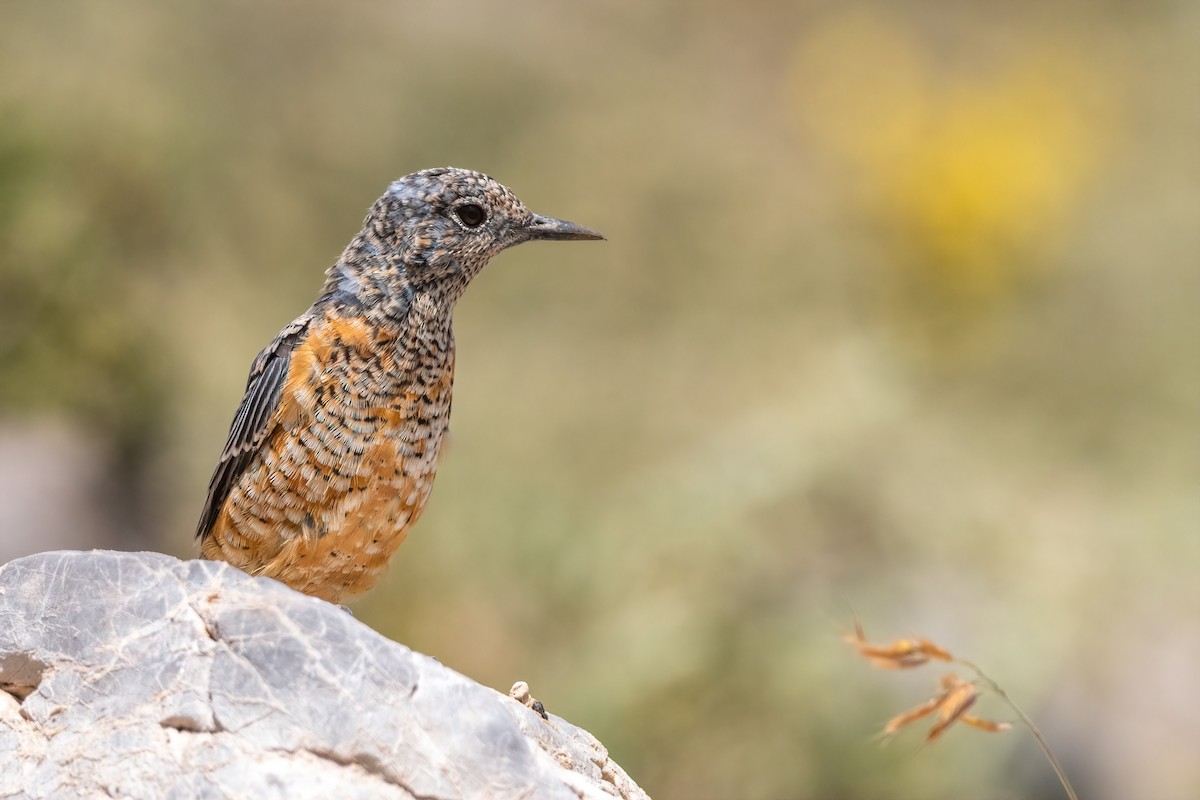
(255, 418)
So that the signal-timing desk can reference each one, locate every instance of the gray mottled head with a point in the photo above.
(443, 225)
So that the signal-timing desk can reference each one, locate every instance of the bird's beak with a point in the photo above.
(549, 228)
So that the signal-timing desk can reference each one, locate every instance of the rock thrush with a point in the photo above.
(333, 450)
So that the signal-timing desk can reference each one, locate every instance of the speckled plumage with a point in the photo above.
(332, 454)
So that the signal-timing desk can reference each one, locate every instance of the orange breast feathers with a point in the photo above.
(346, 469)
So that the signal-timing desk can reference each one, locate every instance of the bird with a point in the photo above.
(332, 453)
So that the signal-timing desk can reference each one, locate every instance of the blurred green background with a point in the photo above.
(898, 313)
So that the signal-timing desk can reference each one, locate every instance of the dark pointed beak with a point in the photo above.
(549, 228)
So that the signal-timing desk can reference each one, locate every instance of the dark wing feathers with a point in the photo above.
(253, 421)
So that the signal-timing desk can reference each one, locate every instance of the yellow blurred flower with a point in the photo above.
(972, 175)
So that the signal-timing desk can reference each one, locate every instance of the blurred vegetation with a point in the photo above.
(898, 310)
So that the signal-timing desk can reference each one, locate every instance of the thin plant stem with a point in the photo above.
(1027, 722)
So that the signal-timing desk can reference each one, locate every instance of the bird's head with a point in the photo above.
(445, 224)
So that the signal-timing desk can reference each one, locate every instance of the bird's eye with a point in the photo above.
(471, 215)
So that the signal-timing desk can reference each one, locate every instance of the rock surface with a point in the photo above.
(137, 675)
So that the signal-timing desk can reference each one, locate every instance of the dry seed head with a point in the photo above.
(953, 705)
(933, 651)
(988, 725)
(905, 718)
(951, 702)
(898, 661)
(900, 654)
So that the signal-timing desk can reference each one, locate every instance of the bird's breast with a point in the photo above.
(378, 395)
(356, 461)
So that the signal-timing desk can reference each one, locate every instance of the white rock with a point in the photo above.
(137, 675)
